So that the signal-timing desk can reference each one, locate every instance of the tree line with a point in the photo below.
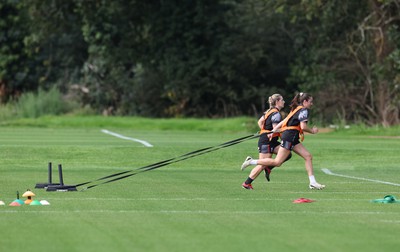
(206, 58)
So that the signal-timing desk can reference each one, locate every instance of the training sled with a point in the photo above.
(50, 186)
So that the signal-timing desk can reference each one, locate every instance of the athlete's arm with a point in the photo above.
(277, 126)
(305, 128)
(261, 122)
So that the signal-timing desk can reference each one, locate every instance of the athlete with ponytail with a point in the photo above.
(267, 144)
(292, 128)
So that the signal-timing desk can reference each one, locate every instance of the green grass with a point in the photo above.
(238, 124)
(196, 204)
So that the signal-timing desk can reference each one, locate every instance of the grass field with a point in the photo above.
(197, 204)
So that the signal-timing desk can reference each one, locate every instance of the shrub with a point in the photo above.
(43, 102)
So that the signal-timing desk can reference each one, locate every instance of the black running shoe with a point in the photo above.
(267, 172)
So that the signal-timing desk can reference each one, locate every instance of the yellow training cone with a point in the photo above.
(28, 194)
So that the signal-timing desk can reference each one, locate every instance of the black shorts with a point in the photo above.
(290, 138)
(265, 146)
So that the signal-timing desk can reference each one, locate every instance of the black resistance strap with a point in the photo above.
(129, 173)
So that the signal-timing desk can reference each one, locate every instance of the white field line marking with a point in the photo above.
(127, 138)
(199, 199)
(327, 171)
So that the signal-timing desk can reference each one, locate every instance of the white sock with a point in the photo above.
(253, 162)
(312, 179)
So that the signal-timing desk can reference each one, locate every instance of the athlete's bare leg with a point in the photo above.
(277, 161)
(259, 168)
(300, 150)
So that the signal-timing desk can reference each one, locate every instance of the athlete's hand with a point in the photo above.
(314, 130)
(270, 135)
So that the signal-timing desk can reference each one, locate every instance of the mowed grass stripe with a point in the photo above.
(205, 212)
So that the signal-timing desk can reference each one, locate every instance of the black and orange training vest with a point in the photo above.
(262, 131)
(298, 128)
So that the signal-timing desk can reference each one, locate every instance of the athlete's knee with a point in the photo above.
(278, 163)
(308, 156)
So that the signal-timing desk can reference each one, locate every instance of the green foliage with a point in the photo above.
(7, 111)
(15, 72)
(55, 43)
(205, 58)
(217, 57)
(348, 64)
(207, 63)
(33, 105)
(112, 33)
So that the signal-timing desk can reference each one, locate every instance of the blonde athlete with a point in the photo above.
(267, 144)
(292, 129)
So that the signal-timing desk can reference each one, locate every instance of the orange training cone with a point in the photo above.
(28, 194)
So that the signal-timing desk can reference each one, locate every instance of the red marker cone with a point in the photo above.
(302, 200)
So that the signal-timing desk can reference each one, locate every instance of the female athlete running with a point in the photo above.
(267, 145)
(292, 129)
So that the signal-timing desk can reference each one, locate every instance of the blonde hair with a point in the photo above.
(272, 100)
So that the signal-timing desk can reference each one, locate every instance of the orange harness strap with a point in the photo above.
(298, 128)
(262, 131)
